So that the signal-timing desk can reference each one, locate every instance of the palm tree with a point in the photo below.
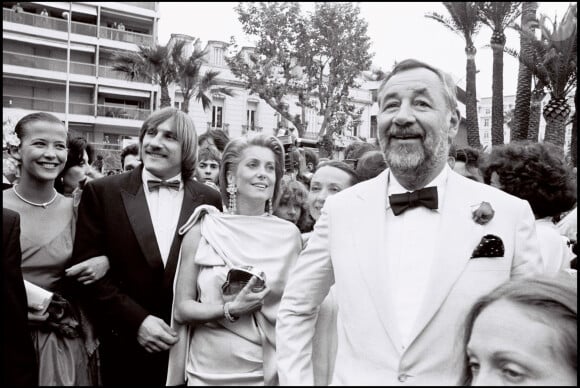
(535, 110)
(153, 63)
(521, 118)
(465, 22)
(498, 16)
(191, 81)
(553, 62)
(561, 66)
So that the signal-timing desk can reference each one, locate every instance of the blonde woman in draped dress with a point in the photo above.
(230, 340)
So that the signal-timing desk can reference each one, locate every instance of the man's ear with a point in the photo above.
(451, 161)
(454, 120)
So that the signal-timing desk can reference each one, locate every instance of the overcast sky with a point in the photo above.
(397, 31)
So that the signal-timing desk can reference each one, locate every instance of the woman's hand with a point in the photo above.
(35, 316)
(90, 270)
(246, 301)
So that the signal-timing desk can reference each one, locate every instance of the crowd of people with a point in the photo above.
(217, 261)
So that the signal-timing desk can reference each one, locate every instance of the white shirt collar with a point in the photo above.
(146, 175)
(440, 181)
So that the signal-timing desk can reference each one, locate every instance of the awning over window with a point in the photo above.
(123, 92)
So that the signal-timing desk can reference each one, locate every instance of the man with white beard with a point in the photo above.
(409, 251)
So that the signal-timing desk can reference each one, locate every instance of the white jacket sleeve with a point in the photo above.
(308, 285)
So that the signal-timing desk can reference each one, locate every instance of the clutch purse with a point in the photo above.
(38, 298)
(238, 277)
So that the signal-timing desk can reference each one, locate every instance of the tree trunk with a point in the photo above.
(165, 99)
(497, 90)
(535, 114)
(326, 146)
(574, 138)
(556, 114)
(521, 119)
(185, 104)
(471, 103)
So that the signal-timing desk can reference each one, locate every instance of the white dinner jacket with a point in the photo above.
(346, 248)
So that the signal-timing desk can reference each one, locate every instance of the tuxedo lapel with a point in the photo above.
(371, 259)
(138, 212)
(457, 237)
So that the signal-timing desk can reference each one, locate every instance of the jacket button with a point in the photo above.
(403, 377)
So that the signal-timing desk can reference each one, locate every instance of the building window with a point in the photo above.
(250, 118)
(487, 111)
(486, 122)
(216, 117)
(177, 104)
(218, 55)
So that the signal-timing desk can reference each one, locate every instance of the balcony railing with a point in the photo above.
(121, 112)
(30, 103)
(106, 146)
(88, 109)
(126, 36)
(251, 128)
(108, 72)
(225, 127)
(48, 22)
(78, 108)
(38, 62)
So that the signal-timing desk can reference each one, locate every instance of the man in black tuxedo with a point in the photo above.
(133, 219)
(19, 365)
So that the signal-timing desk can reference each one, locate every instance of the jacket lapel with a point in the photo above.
(371, 260)
(457, 237)
(140, 218)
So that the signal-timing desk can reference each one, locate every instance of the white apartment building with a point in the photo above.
(484, 119)
(59, 53)
(509, 103)
(245, 112)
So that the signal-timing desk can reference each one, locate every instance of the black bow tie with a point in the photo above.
(424, 197)
(155, 184)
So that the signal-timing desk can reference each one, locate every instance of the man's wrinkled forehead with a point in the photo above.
(399, 78)
(415, 91)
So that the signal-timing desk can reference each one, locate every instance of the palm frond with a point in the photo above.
(555, 53)
(498, 15)
(446, 22)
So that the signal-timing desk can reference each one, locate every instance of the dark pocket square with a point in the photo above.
(489, 246)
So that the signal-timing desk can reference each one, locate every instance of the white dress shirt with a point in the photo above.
(410, 246)
(164, 206)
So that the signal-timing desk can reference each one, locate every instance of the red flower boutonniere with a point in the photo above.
(483, 214)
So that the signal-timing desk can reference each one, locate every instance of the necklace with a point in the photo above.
(43, 205)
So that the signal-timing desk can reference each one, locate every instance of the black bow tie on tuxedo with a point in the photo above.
(155, 184)
(424, 197)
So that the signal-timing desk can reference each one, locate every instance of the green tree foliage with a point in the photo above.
(315, 57)
(190, 79)
(554, 62)
(153, 63)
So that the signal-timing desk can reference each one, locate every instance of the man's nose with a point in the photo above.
(404, 114)
(156, 140)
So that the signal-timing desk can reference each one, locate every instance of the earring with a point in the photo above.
(270, 207)
(232, 190)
